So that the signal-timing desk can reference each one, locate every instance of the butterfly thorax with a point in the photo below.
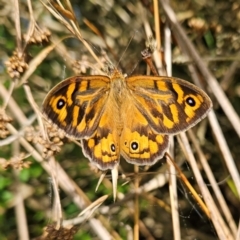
(118, 88)
(117, 96)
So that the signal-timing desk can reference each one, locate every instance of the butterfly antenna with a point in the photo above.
(135, 66)
(126, 49)
(99, 51)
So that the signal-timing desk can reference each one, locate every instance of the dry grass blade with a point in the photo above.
(136, 206)
(17, 25)
(172, 170)
(86, 213)
(20, 210)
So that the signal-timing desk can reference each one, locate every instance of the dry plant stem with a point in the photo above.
(17, 25)
(174, 197)
(157, 24)
(174, 202)
(57, 210)
(157, 55)
(57, 15)
(12, 85)
(220, 226)
(32, 22)
(136, 205)
(30, 10)
(35, 108)
(172, 170)
(213, 183)
(149, 34)
(220, 139)
(147, 57)
(188, 48)
(145, 232)
(168, 54)
(20, 214)
(19, 207)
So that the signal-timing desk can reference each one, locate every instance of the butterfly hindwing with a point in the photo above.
(170, 105)
(102, 147)
(143, 148)
(139, 143)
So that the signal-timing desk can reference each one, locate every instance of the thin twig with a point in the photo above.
(17, 25)
(172, 171)
(19, 207)
(136, 205)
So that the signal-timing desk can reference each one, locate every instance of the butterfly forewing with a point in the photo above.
(170, 105)
(75, 104)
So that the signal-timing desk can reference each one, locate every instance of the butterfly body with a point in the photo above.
(128, 116)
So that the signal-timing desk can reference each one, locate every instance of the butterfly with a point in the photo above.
(131, 117)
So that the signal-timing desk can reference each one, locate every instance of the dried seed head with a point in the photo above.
(4, 120)
(16, 162)
(39, 36)
(53, 145)
(16, 64)
(30, 134)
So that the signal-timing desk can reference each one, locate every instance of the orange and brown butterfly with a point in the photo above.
(129, 116)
